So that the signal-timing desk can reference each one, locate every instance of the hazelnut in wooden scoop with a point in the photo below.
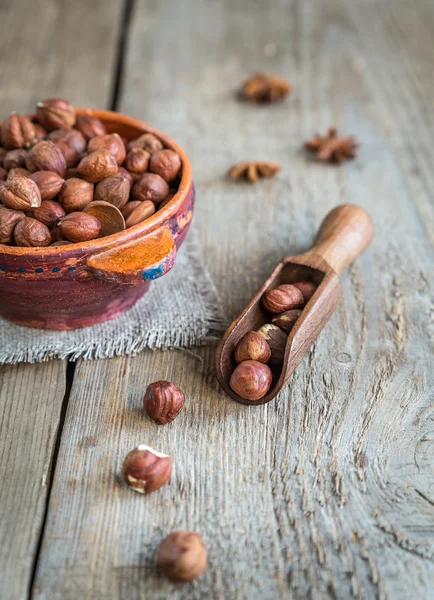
(79, 227)
(76, 194)
(8, 220)
(150, 187)
(163, 401)
(182, 556)
(286, 320)
(20, 193)
(111, 142)
(166, 163)
(31, 233)
(17, 131)
(307, 288)
(276, 339)
(252, 346)
(46, 156)
(251, 380)
(284, 297)
(146, 470)
(48, 182)
(55, 113)
(97, 165)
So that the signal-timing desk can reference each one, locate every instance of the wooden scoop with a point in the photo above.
(344, 234)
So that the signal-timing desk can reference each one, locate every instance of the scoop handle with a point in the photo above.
(344, 234)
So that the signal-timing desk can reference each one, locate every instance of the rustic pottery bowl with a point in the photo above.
(67, 287)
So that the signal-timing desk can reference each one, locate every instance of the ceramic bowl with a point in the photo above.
(72, 286)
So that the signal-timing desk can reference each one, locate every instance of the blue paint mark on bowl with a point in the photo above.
(56, 269)
(21, 270)
(153, 273)
(3, 268)
(39, 270)
(71, 268)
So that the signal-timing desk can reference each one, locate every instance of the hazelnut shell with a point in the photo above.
(109, 216)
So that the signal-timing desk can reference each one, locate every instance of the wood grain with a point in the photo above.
(327, 491)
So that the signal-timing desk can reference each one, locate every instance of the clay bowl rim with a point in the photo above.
(132, 233)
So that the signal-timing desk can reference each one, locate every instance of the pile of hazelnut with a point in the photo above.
(257, 351)
(64, 179)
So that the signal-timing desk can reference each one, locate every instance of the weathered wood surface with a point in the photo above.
(328, 491)
(46, 49)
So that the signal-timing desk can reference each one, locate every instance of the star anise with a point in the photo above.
(254, 170)
(333, 148)
(262, 87)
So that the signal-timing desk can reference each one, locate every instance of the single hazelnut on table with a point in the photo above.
(17, 131)
(166, 163)
(114, 189)
(284, 297)
(54, 113)
(90, 126)
(128, 208)
(150, 187)
(146, 141)
(49, 213)
(111, 142)
(142, 212)
(286, 320)
(46, 156)
(146, 470)
(79, 227)
(163, 401)
(252, 346)
(48, 182)
(76, 194)
(307, 288)
(20, 193)
(8, 220)
(18, 171)
(181, 556)
(137, 161)
(14, 158)
(276, 339)
(31, 233)
(97, 165)
(251, 380)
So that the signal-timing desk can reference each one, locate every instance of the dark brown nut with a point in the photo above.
(286, 320)
(40, 133)
(109, 216)
(276, 340)
(165, 163)
(181, 556)
(163, 401)
(61, 243)
(31, 233)
(56, 235)
(307, 288)
(71, 172)
(284, 297)
(252, 346)
(129, 207)
(127, 175)
(8, 220)
(17, 131)
(251, 380)
(18, 171)
(55, 113)
(72, 143)
(76, 194)
(79, 227)
(46, 156)
(49, 213)
(97, 165)
(143, 211)
(137, 161)
(48, 182)
(3, 151)
(111, 142)
(146, 141)
(14, 159)
(146, 470)
(90, 126)
(20, 193)
(115, 189)
(3, 174)
(150, 187)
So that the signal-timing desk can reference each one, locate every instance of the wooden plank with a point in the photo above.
(325, 492)
(46, 49)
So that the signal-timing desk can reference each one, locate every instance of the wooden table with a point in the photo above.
(329, 491)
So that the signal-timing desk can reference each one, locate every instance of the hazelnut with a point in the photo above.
(146, 470)
(307, 288)
(150, 187)
(40, 133)
(48, 182)
(20, 193)
(165, 163)
(14, 159)
(114, 189)
(276, 340)
(3, 174)
(76, 194)
(79, 227)
(71, 142)
(30, 232)
(252, 346)
(126, 175)
(109, 216)
(56, 235)
(54, 113)
(111, 142)
(17, 131)
(128, 208)
(181, 556)
(143, 211)
(146, 141)
(49, 213)
(163, 401)
(18, 171)
(97, 165)
(286, 320)
(89, 126)
(137, 161)
(284, 297)
(46, 156)
(2, 155)
(71, 172)
(8, 220)
(251, 380)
